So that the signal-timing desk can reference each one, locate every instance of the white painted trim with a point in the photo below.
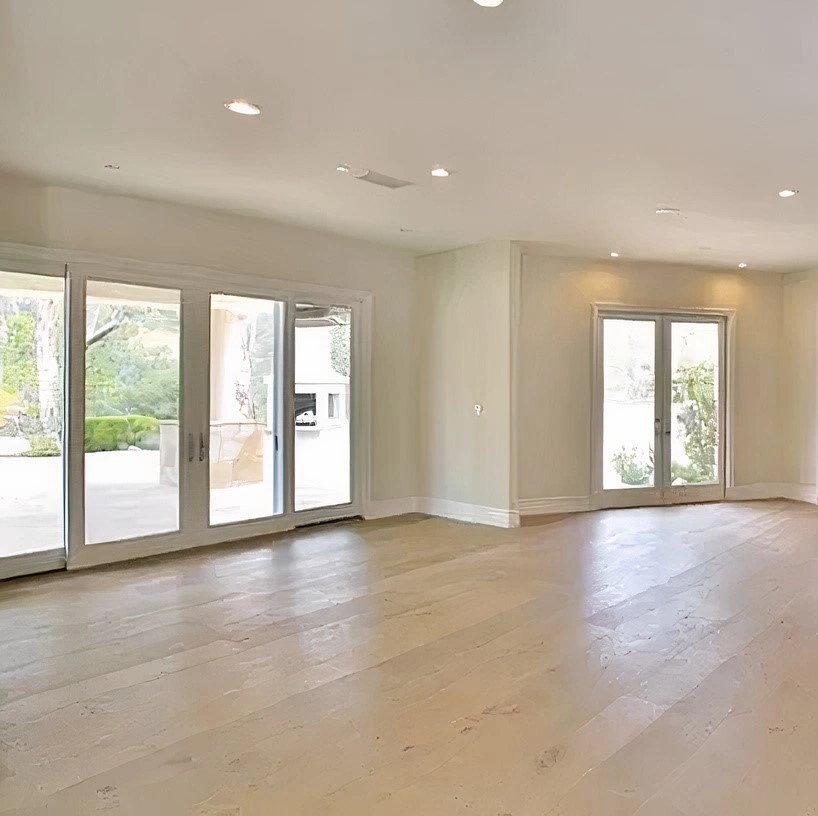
(443, 508)
(14, 566)
(554, 504)
(773, 490)
(472, 513)
(386, 508)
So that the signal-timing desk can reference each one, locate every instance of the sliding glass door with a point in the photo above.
(659, 409)
(323, 341)
(137, 417)
(32, 451)
(132, 401)
(246, 472)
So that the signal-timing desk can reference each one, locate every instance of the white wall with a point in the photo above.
(463, 346)
(154, 231)
(798, 393)
(555, 353)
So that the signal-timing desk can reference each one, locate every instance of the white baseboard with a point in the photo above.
(556, 504)
(385, 508)
(473, 513)
(773, 490)
(460, 511)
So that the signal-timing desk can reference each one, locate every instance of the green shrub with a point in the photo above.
(633, 469)
(43, 446)
(110, 433)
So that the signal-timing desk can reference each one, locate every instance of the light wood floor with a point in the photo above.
(658, 662)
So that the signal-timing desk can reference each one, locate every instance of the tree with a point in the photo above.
(694, 390)
(339, 349)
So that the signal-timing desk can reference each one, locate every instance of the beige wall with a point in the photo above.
(463, 346)
(554, 418)
(442, 340)
(798, 366)
(153, 231)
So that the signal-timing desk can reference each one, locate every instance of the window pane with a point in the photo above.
(694, 403)
(131, 411)
(629, 407)
(31, 413)
(245, 469)
(322, 392)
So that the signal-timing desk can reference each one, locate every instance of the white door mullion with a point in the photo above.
(194, 431)
(288, 384)
(75, 417)
(666, 402)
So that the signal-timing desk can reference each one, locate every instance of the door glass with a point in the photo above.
(322, 405)
(694, 408)
(31, 413)
(246, 473)
(132, 383)
(628, 411)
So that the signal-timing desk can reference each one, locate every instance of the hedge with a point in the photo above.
(110, 433)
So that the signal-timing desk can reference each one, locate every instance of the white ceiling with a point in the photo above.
(567, 121)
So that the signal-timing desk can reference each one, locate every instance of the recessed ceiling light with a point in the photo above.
(742, 265)
(441, 172)
(112, 167)
(788, 193)
(489, 3)
(667, 211)
(614, 254)
(242, 106)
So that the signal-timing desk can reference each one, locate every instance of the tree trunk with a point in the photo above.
(49, 387)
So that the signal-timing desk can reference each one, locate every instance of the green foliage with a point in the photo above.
(43, 446)
(18, 355)
(633, 468)
(694, 389)
(339, 350)
(688, 474)
(260, 348)
(109, 433)
(125, 376)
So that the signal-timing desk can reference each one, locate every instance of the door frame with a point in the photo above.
(657, 494)
(196, 284)
(15, 260)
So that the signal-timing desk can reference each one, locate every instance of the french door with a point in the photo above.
(659, 408)
(138, 416)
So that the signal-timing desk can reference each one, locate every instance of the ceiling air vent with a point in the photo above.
(380, 179)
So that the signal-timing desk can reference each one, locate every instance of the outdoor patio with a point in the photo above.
(124, 498)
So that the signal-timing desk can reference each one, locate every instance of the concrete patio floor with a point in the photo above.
(124, 499)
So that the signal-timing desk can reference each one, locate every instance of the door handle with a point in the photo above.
(201, 447)
(657, 427)
(190, 447)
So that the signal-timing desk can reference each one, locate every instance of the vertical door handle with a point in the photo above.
(201, 447)
(190, 447)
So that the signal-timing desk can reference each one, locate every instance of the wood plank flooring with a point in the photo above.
(659, 662)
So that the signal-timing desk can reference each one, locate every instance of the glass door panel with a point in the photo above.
(246, 372)
(694, 407)
(31, 413)
(323, 337)
(629, 398)
(132, 401)
(660, 398)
